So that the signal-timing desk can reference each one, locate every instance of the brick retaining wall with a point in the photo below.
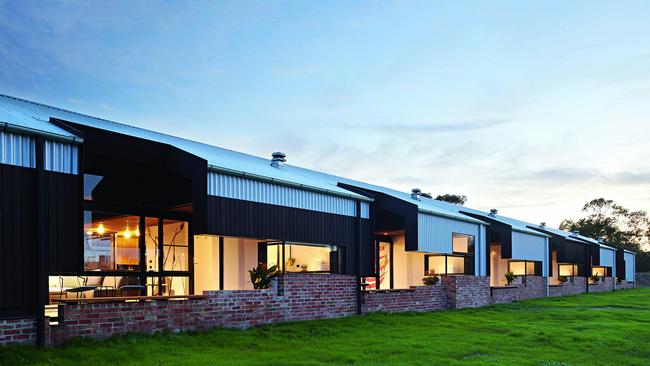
(294, 297)
(624, 285)
(532, 287)
(420, 298)
(605, 284)
(466, 291)
(17, 331)
(642, 279)
(578, 286)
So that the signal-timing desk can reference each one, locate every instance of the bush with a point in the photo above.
(510, 278)
(430, 280)
(562, 279)
(261, 277)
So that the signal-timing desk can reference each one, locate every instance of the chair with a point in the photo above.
(83, 284)
(130, 284)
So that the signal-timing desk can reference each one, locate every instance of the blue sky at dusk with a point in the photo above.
(533, 108)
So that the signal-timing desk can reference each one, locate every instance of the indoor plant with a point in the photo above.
(261, 277)
(510, 278)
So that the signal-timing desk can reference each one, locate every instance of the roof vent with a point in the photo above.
(601, 240)
(493, 212)
(542, 224)
(278, 158)
(576, 232)
(415, 193)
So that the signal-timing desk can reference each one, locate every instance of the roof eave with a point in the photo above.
(9, 127)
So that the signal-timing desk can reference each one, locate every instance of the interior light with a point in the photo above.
(127, 233)
(89, 232)
(137, 232)
(100, 229)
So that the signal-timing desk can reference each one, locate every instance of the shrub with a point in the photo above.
(562, 279)
(430, 280)
(510, 278)
(261, 277)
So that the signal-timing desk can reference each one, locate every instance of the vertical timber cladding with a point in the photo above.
(18, 241)
(64, 225)
(235, 217)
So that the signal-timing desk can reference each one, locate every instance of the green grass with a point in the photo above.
(590, 329)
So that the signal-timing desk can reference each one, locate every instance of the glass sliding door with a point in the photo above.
(111, 242)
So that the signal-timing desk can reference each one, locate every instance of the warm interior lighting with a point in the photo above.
(100, 229)
(137, 232)
(89, 232)
(127, 233)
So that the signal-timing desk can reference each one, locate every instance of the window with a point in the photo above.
(111, 242)
(462, 243)
(525, 268)
(568, 270)
(600, 271)
(444, 265)
(300, 257)
(175, 245)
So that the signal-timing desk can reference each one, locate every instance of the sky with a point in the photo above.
(533, 108)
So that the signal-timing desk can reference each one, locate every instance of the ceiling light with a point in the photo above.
(100, 229)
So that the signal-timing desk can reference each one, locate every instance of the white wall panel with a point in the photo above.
(229, 186)
(528, 247)
(607, 257)
(435, 232)
(629, 266)
(17, 149)
(61, 157)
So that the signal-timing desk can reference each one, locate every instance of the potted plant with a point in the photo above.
(594, 279)
(430, 280)
(562, 279)
(510, 278)
(261, 277)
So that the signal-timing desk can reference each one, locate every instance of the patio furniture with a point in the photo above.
(130, 285)
(83, 284)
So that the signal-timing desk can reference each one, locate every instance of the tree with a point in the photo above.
(456, 199)
(618, 226)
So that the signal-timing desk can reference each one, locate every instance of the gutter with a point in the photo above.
(239, 173)
(5, 126)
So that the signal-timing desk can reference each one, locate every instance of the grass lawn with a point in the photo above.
(590, 329)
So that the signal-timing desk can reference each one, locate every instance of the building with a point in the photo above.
(94, 213)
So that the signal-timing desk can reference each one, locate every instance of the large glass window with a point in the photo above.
(568, 270)
(462, 243)
(111, 242)
(152, 243)
(444, 265)
(300, 257)
(599, 271)
(175, 246)
(525, 268)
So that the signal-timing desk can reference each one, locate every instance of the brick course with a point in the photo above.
(466, 291)
(578, 286)
(624, 285)
(294, 297)
(420, 298)
(605, 284)
(17, 331)
(532, 287)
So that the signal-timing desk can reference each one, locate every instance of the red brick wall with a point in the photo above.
(531, 287)
(294, 297)
(578, 286)
(466, 291)
(420, 298)
(17, 331)
(605, 284)
(624, 285)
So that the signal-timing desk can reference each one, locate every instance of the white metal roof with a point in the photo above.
(517, 225)
(36, 116)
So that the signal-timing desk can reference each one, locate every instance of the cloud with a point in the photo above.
(434, 127)
(568, 175)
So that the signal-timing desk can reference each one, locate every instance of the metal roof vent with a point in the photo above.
(493, 212)
(415, 193)
(278, 159)
(542, 224)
